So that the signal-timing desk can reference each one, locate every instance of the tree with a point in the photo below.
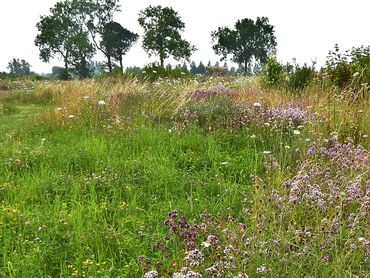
(193, 68)
(201, 68)
(162, 27)
(19, 67)
(249, 44)
(184, 67)
(116, 41)
(54, 33)
(67, 31)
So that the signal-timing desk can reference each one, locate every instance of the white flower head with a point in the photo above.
(205, 244)
(101, 102)
(257, 104)
(296, 132)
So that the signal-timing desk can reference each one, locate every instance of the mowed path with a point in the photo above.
(19, 119)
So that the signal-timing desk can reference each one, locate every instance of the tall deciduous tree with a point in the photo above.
(54, 34)
(67, 31)
(162, 27)
(249, 44)
(116, 41)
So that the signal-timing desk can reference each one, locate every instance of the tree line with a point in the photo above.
(75, 30)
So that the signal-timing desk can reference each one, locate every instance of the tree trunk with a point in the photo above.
(65, 75)
(109, 63)
(120, 63)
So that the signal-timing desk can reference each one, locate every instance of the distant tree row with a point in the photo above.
(76, 29)
(19, 67)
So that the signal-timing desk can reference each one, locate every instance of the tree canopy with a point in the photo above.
(162, 33)
(250, 43)
(116, 41)
(68, 30)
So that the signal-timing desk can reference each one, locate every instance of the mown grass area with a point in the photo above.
(210, 178)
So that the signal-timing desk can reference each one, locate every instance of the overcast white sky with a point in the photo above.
(305, 30)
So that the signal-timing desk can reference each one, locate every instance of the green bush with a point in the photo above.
(351, 67)
(273, 74)
(300, 77)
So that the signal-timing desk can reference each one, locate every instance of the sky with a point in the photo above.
(305, 30)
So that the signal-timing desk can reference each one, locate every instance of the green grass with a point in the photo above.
(84, 198)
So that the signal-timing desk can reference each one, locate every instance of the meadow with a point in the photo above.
(192, 177)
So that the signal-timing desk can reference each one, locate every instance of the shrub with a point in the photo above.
(300, 77)
(350, 68)
(272, 74)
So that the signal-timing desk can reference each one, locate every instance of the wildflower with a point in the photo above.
(257, 104)
(212, 239)
(205, 244)
(262, 269)
(194, 257)
(151, 274)
(186, 273)
(241, 275)
(296, 132)
(210, 92)
(101, 102)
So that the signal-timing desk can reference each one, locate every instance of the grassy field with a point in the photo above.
(182, 178)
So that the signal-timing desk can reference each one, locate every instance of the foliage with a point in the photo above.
(67, 31)
(249, 44)
(200, 69)
(292, 77)
(273, 73)
(343, 68)
(162, 27)
(19, 67)
(300, 76)
(116, 41)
